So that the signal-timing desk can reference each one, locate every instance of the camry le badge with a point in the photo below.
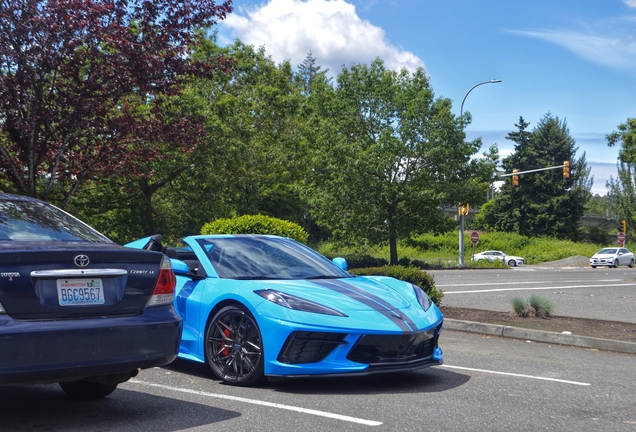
(81, 260)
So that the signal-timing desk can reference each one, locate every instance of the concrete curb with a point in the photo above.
(540, 336)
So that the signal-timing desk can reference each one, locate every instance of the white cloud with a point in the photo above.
(331, 29)
(630, 3)
(608, 51)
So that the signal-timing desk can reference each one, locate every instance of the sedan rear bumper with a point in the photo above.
(71, 349)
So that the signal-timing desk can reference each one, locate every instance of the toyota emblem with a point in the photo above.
(81, 260)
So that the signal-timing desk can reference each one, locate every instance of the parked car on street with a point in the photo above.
(612, 257)
(257, 306)
(76, 308)
(512, 261)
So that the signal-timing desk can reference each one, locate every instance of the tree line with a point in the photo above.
(133, 117)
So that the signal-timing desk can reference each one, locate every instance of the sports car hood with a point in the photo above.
(349, 294)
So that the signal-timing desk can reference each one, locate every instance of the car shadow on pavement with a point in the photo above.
(430, 380)
(46, 407)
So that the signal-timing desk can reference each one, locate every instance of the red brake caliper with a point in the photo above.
(228, 335)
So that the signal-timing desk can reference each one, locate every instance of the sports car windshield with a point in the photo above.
(255, 257)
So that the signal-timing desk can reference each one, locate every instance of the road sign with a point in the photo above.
(474, 237)
(621, 238)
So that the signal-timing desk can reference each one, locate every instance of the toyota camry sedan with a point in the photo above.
(76, 308)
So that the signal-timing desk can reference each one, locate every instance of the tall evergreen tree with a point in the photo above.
(544, 203)
(308, 73)
(622, 190)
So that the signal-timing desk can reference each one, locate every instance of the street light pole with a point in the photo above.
(461, 216)
(492, 81)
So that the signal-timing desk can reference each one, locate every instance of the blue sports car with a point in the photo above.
(257, 306)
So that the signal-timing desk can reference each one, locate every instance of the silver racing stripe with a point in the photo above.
(405, 323)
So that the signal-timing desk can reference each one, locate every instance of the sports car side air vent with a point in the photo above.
(309, 347)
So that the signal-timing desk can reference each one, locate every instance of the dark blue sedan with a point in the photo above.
(76, 308)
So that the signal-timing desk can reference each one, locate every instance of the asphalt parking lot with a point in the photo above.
(486, 383)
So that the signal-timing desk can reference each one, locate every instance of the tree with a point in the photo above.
(247, 157)
(253, 121)
(544, 203)
(386, 154)
(72, 74)
(622, 190)
(308, 73)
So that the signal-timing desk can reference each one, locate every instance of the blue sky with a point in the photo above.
(573, 59)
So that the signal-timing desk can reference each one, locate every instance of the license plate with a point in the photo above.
(74, 292)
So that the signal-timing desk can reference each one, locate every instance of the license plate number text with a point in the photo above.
(74, 292)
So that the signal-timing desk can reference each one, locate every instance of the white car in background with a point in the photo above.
(512, 261)
(612, 257)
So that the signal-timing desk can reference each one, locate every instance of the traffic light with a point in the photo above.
(624, 226)
(515, 177)
(463, 209)
(566, 169)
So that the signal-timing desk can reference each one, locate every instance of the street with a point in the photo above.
(581, 292)
(486, 383)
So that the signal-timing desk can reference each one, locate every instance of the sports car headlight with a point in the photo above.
(296, 303)
(422, 298)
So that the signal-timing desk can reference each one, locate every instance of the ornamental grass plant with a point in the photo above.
(533, 306)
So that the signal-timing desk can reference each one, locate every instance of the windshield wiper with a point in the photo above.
(254, 277)
(324, 277)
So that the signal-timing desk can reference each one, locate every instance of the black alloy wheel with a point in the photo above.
(234, 347)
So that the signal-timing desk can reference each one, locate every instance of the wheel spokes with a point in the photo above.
(235, 345)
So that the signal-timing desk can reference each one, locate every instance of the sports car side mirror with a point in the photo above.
(340, 263)
(179, 267)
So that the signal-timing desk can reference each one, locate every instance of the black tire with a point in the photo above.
(616, 264)
(631, 263)
(512, 263)
(84, 390)
(593, 266)
(234, 347)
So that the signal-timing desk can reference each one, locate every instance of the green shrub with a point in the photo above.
(486, 264)
(408, 274)
(535, 306)
(256, 224)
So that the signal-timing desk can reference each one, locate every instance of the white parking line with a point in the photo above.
(519, 283)
(491, 284)
(518, 375)
(538, 288)
(263, 403)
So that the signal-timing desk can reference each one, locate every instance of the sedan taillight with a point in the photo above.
(163, 293)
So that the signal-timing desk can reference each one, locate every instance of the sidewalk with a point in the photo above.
(540, 336)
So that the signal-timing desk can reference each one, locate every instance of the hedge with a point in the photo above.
(256, 224)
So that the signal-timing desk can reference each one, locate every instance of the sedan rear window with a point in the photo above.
(33, 221)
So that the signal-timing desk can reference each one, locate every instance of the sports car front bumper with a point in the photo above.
(325, 353)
